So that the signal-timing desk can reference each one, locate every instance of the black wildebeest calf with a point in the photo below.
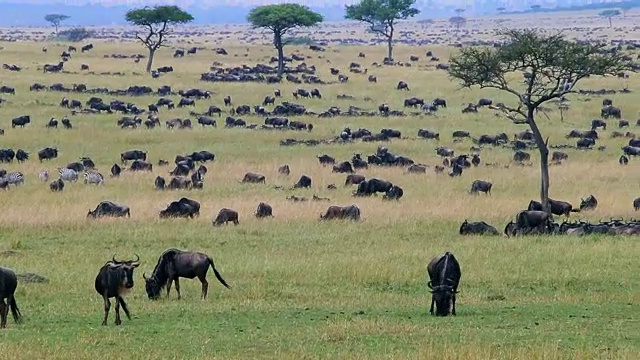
(115, 279)
(174, 264)
(8, 285)
(444, 277)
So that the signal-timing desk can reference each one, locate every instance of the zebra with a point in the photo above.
(14, 178)
(93, 177)
(67, 174)
(43, 176)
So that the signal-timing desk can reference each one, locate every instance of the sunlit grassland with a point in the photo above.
(302, 288)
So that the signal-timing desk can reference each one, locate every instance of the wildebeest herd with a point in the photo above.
(116, 277)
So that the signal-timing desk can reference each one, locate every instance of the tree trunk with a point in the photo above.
(610, 24)
(543, 148)
(390, 44)
(152, 52)
(277, 42)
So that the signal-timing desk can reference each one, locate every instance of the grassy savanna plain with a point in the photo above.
(302, 288)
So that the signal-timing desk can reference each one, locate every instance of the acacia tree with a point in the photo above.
(382, 16)
(56, 19)
(555, 66)
(458, 22)
(157, 23)
(279, 19)
(608, 14)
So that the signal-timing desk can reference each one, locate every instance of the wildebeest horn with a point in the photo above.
(114, 259)
(137, 258)
(430, 285)
(144, 276)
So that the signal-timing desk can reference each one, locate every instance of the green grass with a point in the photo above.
(304, 289)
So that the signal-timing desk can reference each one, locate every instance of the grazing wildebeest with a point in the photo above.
(557, 207)
(56, 185)
(160, 183)
(8, 285)
(428, 134)
(353, 179)
(115, 279)
(528, 221)
(372, 186)
(253, 178)
(590, 203)
(326, 159)
(402, 86)
(351, 212)
(444, 278)
(303, 182)
(481, 186)
(20, 121)
(174, 264)
(636, 204)
(631, 150)
(226, 215)
(181, 208)
(343, 167)
(115, 170)
(394, 193)
(133, 155)
(284, 170)
(264, 210)
(477, 228)
(108, 208)
(558, 156)
(623, 160)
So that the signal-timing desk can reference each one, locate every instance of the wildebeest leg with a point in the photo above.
(124, 307)
(453, 308)
(169, 286)
(177, 281)
(3, 314)
(432, 302)
(236, 222)
(107, 306)
(118, 321)
(205, 285)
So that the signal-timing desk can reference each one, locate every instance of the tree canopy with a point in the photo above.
(56, 19)
(157, 22)
(554, 66)
(382, 15)
(458, 21)
(608, 14)
(281, 18)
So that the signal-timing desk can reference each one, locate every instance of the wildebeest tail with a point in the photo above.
(14, 309)
(218, 276)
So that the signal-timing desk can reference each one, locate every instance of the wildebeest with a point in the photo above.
(115, 279)
(133, 155)
(47, 154)
(477, 228)
(174, 264)
(590, 203)
(444, 278)
(253, 178)
(303, 182)
(226, 215)
(56, 185)
(372, 186)
(394, 193)
(354, 179)
(108, 208)
(8, 285)
(343, 167)
(558, 207)
(264, 210)
(181, 208)
(20, 121)
(351, 212)
(481, 186)
(528, 221)
(326, 160)
(115, 170)
(284, 169)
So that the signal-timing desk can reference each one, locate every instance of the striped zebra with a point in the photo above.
(14, 178)
(93, 177)
(68, 174)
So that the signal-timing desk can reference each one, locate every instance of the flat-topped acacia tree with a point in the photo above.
(555, 65)
(382, 16)
(279, 19)
(157, 23)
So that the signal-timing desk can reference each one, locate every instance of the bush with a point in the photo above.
(299, 41)
(75, 34)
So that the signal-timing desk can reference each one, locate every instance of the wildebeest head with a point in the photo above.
(152, 286)
(443, 297)
(126, 267)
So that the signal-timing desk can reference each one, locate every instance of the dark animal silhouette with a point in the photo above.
(8, 285)
(114, 280)
(444, 278)
(174, 264)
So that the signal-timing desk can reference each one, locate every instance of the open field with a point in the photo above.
(304, 289)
